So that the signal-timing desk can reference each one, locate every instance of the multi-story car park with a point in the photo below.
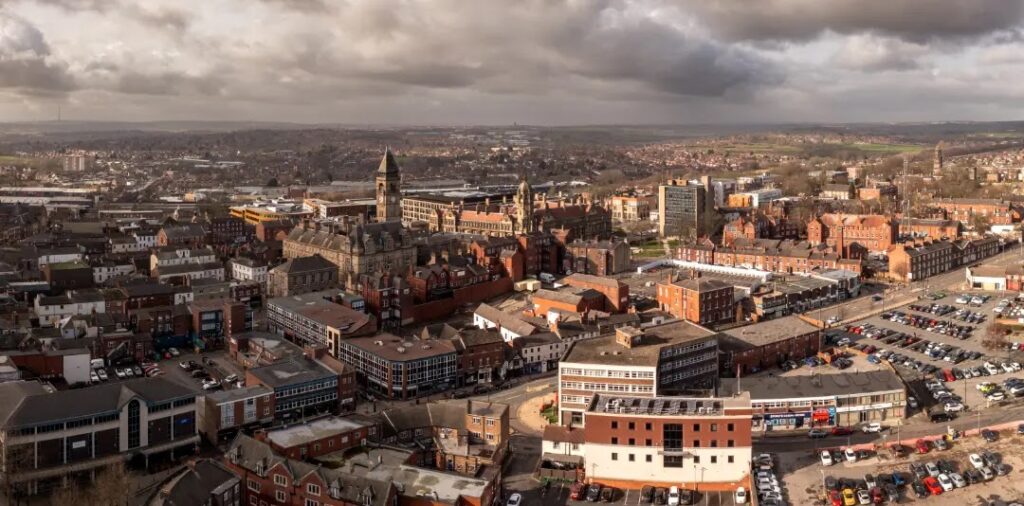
(823, 400)
(630, 441)
(664, 359)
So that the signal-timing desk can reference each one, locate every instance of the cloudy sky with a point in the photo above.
(502, 61)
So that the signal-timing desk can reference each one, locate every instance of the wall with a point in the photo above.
(435, 310)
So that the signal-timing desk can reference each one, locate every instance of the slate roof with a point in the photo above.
(300, 265)
(195, 485)
(505, 320)
(30, 407)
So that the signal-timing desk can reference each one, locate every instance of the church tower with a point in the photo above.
(389, 189)
(524, 207)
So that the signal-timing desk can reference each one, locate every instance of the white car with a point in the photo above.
(945, 482)
(958, 480)
(851, 455)
(673, 496)
(872, 427)
(210, 384)
(741, 496)
(120, 373)
(863, 497)
(102, 373)
(826, 458)
(991, 368)
(231, 378)
(976, 461)
(515, 499)
(996, 396)
(95, 378)
(953, 407)
(174, 352)
(987, 473)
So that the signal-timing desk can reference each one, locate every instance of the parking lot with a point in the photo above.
(558, 494)
(214, 365)
(806, 476)
(936, 335)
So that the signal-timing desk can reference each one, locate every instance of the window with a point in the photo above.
(647, 442)
(632, 426)
(252, 500)
(696, 427)
(730, 427)
(615, 456)
(615, 440)
(696, 443)
(648, 458)
(313, 489)
(714, 459)
(310, 502)
(696, 459)
(730, 459)
(632, 458)
(615, 425)
(134, 435)
(714, 427)
(632, 442)
(280, 480)
(647, 426)
(253, 485)
(280, 496)
(730, 443)
(714, 443)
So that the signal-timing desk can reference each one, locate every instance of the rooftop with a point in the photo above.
(301, 434)
(396, 349)
(292, 372)
(824, 385)
(666, 406)
(771, 331)
(605, 350)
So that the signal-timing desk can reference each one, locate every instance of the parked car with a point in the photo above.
(817, 433)
(607, 494)
(576, 491)
(740, 497)
(515, 499)
(826, 458)
(872, 427)
(933, 486)
(841, 431)
(594, 493)
(989, 435)
(673, 496)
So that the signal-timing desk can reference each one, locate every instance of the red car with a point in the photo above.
(923, 446)
(836, 498)
(841, 431)
(576, 492)
(948, 375)
(877, 497)
(932, 485)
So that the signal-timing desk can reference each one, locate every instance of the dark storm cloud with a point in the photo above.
(25, 59)
(915, 20)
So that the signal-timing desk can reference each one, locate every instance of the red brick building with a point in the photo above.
(320, 437)
(221, 414)
(616, 293)
(701, 301)
(782, 256)
(852, 235)
(579, 300)
(600, 258)
(995, 211)
(270, 479)
(767, 344)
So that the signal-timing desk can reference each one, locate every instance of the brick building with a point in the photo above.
(616, 293)
(767, 344)
(314, 319)
(600, 258)
(935, 229)
(629, 441)
(995, 211)
(301, 275)
(573, 300)
(923, 259)
(268, 478)
(398, 368)
(698, 300)
(852, 235)
(188, 235)
(320, 437)
(223, 413)
(782, 256)
(306, 386)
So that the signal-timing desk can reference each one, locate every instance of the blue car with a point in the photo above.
(874, 359)
(810, 362)
(898, 479)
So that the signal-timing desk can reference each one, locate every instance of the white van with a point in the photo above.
(96, 363)
(547, 277)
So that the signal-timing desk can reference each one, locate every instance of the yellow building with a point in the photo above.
(260, 212)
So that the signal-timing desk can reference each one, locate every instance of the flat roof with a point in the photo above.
(605, 350)
(314, 431)
(771, 331)
(824, 385)
(397, 349)
(667, 406)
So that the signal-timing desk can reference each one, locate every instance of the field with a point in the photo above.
(882, 148)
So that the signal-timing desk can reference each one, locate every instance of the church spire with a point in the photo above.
(388, 181)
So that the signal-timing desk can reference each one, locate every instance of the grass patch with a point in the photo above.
(550, 414)
(882, 148)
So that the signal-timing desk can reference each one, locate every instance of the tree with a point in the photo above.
(996, 336)
(272, 183)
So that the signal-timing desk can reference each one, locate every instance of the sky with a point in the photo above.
(543, 62)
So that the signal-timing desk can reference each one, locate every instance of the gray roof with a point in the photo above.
(605, 350)
(821, 385)
(222, 396)
(195, 485)
(388, 165)
(771, 331)
(305, 264)
(449, 414)
(291, 372)
(34, 408)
